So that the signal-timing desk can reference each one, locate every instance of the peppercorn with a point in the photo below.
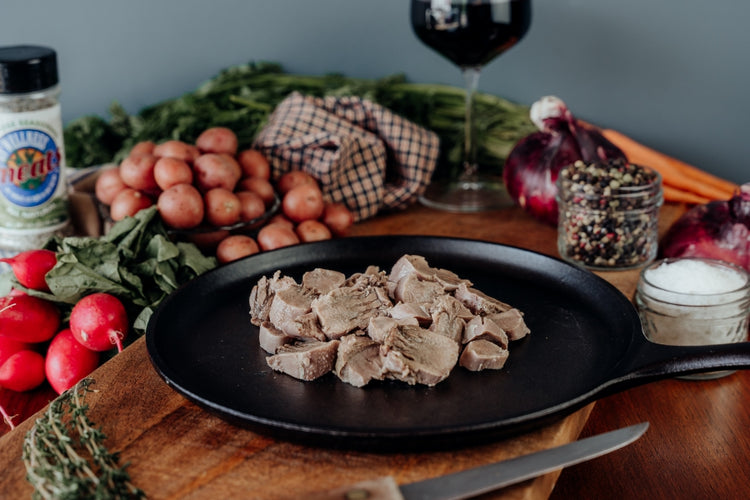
(608, 214)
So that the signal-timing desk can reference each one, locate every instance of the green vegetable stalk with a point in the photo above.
(242, 97)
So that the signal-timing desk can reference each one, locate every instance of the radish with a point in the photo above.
(28, 319)
(30, 268)
(68, 361)
(8, 347)
(99, 321)
(22, 371)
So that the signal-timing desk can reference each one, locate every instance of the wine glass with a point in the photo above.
(470, 33)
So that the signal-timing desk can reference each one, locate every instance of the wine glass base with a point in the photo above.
(466, 196)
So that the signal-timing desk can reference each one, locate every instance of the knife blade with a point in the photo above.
(486, 478)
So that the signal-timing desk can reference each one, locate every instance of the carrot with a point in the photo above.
(674, 172)
(679, 196)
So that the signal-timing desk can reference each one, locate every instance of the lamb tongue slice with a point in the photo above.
(306, 360)
(358, 360)
(482, 354)
(418, 356)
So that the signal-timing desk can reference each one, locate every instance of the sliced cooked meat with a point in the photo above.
(380, 327)
(416, 264)
(448, 326)
(409, 310)
(271, 338)
(287, 305)
(482, 355)
(484, 328)
(321, 281)
(262, 295)
(512, 322)
(418, 356)
(358, 360)
(372, 277)
(413, 290)
(346, 309)
(306, 360)
(479, 302)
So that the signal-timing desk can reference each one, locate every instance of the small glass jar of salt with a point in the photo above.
(694, 301)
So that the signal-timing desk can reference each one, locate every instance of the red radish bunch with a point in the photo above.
(34, 344)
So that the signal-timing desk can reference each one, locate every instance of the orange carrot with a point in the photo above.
(679, 196)
(674, 172)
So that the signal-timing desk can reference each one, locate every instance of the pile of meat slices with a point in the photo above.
(414, 324)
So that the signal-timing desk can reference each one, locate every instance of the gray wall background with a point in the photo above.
(673, 74)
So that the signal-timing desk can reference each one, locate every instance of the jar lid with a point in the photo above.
(27, 68)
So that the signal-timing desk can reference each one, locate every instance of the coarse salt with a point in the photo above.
(692, 276)
(694, 301)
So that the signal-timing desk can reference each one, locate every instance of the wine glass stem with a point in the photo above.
(471, 77)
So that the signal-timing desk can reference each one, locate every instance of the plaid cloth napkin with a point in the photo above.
(362, 154)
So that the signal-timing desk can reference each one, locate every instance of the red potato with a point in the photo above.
(141, 148)
(303, 202)
(209, 240)
(313, 230)
(170, 171)
(127, 203)
(181, 206)
(261, 187)
(137, 172)
(99, 322)
(236, 247)
(28, 319)
(108, 184)
(254, 164)
(338, 218)
(273, 236)
(251, 205)
(22, 371)
(68, 361)
(294, 178)
(281, 219)
(216, 170)
(177, 149)
(222, 207)
(217, 140)
(31, 267)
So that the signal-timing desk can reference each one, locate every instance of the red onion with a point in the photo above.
(716, 230)
(532, 167)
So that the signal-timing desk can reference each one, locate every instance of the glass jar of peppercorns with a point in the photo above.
(608, 214)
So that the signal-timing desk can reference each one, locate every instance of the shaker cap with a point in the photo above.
(27, 68)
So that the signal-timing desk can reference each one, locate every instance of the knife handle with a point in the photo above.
(383, 488)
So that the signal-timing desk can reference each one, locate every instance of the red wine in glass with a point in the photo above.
(470, 33)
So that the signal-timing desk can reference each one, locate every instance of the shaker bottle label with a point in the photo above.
(32, 187)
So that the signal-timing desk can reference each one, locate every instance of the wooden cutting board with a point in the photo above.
(177, 450)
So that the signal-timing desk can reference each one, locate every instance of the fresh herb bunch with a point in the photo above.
(65, 456)
(242, 98)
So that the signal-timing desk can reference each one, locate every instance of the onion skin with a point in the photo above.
(532, 167)
(715, 230)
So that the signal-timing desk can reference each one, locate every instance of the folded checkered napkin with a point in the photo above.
(362, 154)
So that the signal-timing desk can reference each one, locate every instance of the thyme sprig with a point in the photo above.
(66, 458)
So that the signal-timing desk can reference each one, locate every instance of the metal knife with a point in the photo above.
(486, 478)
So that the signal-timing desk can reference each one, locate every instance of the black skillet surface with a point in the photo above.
(586, 341)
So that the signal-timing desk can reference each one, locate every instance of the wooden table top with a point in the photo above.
(695, 447)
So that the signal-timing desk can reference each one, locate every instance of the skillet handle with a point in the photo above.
(649, 361)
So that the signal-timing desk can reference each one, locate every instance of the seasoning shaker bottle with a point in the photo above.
(694, 301)
(33, 189)
(608, 214)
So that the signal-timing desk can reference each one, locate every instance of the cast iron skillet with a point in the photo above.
(586, 342)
